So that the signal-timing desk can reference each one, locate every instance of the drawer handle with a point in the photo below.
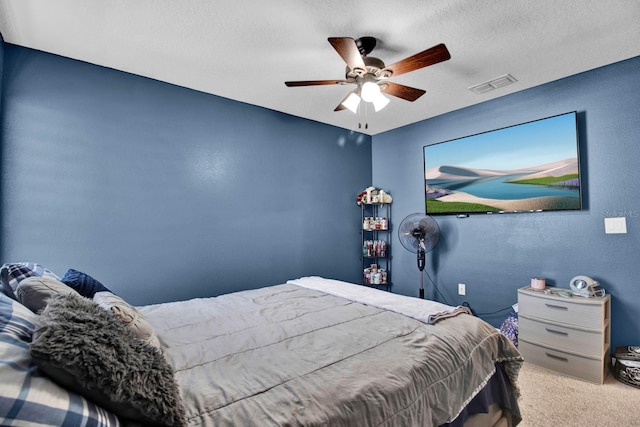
(558, 307)
(553, 356)
(556, 332)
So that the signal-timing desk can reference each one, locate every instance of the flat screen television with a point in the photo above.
(529, 167)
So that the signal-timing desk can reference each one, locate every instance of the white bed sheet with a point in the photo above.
(426, 311)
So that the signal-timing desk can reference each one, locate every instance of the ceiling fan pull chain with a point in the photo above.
(366, 116)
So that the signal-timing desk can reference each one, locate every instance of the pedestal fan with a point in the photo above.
(419, 234)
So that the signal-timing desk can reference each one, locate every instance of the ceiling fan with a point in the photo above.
(371, 76)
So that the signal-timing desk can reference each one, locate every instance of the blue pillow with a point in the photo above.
(84, 284)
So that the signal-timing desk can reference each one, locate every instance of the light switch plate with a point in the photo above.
(615, 225)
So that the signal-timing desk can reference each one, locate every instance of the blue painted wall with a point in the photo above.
(1, 65)
(494, 255)
(164, 193)
(1, 102)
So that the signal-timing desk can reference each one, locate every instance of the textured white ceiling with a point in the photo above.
(246, 49)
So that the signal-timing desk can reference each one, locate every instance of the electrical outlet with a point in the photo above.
(615, 225)
(462, 289)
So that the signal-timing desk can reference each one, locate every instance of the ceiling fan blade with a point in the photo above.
(316, 82)
(348, 51)
(423, 59)
(402, 91)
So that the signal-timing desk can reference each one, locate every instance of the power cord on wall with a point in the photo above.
(465, 304)
(436, 288)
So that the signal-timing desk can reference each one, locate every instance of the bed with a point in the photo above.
(309, 352)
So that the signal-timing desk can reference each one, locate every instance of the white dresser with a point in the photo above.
(570, 335)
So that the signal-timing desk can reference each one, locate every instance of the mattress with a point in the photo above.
(293, 355)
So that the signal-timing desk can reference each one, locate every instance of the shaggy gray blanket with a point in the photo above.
(90, 351)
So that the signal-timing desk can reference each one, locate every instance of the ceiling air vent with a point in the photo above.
(492, 84)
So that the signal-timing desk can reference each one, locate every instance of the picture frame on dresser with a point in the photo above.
(564, 333)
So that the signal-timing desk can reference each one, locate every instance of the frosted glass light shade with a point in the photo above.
(380, 102)
(370, 91)
(352, 102)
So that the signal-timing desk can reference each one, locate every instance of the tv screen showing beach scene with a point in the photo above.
(530, 167)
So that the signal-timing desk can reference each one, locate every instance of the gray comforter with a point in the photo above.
(290, 356)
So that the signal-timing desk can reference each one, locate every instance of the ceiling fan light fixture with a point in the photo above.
(352, 102)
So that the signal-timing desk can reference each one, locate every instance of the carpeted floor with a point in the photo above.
(549, 399)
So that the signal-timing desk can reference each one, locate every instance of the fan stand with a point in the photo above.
(421, 262)
(419, 233)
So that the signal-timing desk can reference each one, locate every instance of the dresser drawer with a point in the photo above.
(579, 311)
(593, 370)
(587, 342)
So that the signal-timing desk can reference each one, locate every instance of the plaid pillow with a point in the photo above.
(27, 397)
(11, 274)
